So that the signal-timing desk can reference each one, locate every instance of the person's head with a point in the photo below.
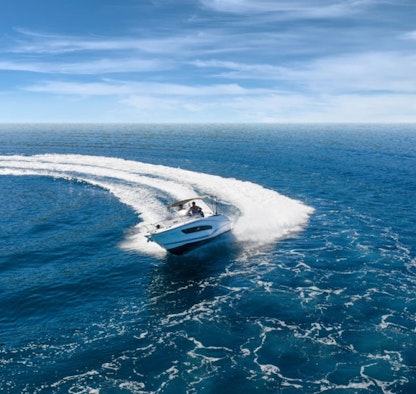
(193, 202)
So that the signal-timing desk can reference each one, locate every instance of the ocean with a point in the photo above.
(313, 291)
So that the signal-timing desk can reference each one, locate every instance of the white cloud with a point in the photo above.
(390, 108)
(112, 87)
(231, 103)
(228, 69)
(18, 66)
(411, 35)
(288, 9)
(100, 66)
(41, 43)
(291, 108)
(79, 88)
(364, 72)
(382, 71)
(149, 103)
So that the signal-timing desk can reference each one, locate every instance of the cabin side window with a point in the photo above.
(196, 229)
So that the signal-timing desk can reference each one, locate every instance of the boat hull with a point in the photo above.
(185, 237)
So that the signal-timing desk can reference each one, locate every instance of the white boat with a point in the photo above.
(188, 225)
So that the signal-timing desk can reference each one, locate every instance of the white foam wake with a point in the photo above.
(260, 215)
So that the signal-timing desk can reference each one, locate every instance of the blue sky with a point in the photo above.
(208, 61)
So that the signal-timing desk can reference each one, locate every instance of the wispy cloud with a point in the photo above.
(34, 42)
(288, 9)
(88, 67)
(111, 87)
(411, 35)
(228, 60)
(80, 88)
(228, 69)
(361, 72)
(41, 43)
(232, 102)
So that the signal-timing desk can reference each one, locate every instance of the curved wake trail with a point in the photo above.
(259, 215)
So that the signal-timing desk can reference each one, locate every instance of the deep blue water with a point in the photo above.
(326, 304)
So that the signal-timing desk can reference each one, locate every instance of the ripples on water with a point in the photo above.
(330, 308)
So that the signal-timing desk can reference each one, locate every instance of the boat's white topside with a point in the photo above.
(179, 214)
(182, 228)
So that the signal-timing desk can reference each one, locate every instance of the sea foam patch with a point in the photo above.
(259, 215)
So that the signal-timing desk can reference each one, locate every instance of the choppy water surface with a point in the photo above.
(313, 291)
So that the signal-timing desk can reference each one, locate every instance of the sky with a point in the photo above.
(215, 61)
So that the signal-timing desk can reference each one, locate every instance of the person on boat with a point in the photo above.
(195, 210)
